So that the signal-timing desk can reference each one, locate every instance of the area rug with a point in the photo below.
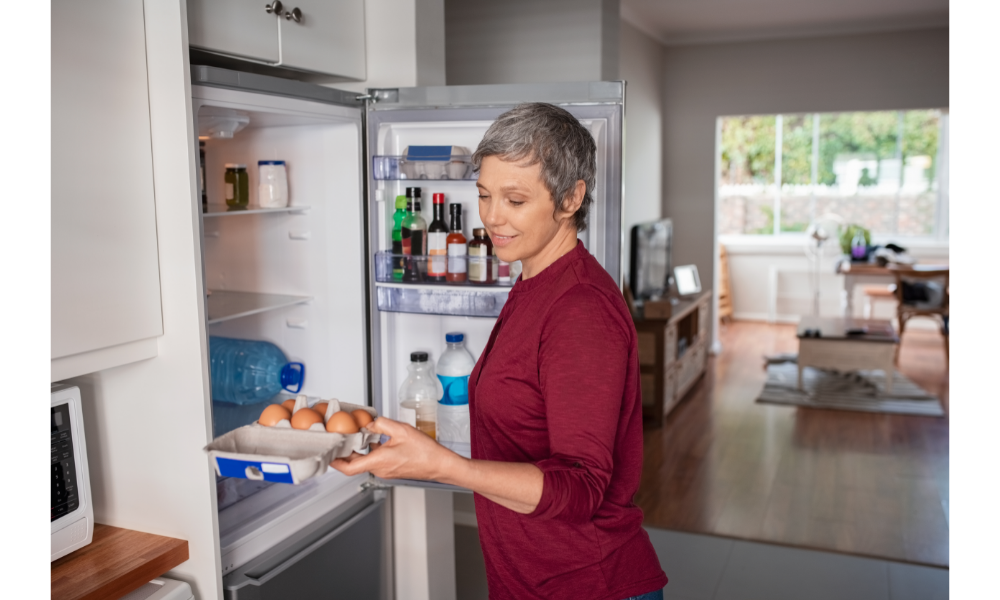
(859, 390)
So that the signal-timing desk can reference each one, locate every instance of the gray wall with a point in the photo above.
(528, 41)
(702, 82)
(641, 66)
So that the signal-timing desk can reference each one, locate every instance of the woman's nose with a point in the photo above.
(490, 213)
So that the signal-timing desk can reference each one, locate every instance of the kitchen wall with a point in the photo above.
(641, 66)
(880, 71)
(526, 41)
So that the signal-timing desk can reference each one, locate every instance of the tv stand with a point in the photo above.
(673, 354)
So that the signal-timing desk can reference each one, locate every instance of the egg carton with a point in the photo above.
(281, 454)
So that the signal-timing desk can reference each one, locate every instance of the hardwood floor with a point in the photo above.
(859, 483)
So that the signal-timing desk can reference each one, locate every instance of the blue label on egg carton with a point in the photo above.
(249, 469)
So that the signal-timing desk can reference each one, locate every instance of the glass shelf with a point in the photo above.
(221, 210)
(458, 301)
(454, 167)
(225, 305)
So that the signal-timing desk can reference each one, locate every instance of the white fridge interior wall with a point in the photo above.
(316, 253)
(403, 333)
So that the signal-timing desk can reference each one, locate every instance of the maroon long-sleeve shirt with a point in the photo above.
(558, 386)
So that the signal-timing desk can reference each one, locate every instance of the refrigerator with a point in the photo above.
(310, 278)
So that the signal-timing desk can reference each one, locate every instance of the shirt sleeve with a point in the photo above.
(583, 362)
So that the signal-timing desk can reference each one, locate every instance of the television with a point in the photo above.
(650, 260)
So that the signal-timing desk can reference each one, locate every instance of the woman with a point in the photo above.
(554, 398)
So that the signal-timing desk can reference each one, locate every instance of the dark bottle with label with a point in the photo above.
(481, 258)
(456, 247)
(437, 243)
(414, 237)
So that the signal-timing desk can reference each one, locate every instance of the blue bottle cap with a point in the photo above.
(270, 162)
(453, 337)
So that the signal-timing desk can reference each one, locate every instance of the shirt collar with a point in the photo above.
(551, 272)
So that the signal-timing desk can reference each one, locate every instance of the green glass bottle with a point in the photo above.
(397, 238)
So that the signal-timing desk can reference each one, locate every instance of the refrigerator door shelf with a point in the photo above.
(389, 168)
(441, 300)
(413, 270)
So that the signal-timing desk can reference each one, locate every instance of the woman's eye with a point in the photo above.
(482, 197)
(515, 203)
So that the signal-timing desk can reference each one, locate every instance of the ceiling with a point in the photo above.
(676, 22)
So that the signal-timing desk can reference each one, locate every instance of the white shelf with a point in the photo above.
(226, 305)
(221, 210)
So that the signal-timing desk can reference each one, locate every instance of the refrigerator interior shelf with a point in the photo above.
(225, 305)
(221, 210)
(454, 167)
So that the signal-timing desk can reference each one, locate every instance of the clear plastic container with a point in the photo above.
(453, 370)
(272, 184)
(459, 302)
(456, 167)
(419, 394)
(251, 371)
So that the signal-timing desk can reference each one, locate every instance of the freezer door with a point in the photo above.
(345, 555)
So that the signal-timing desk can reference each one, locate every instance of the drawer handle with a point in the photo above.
(274, 7)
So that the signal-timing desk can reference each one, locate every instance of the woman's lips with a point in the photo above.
(502, 240)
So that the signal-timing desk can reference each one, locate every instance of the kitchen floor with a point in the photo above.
(705, 567)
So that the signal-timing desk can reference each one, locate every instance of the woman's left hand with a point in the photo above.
(408, 454)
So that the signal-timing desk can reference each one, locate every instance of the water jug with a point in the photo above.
(250, 371)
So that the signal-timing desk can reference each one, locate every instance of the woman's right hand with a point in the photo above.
(408, 454)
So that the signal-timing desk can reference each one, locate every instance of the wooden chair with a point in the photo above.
(909, 309)
(875, 293)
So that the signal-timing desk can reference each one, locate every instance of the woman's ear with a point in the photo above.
(571, 203)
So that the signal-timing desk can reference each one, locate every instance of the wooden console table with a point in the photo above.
(672, 355)
(117, 562)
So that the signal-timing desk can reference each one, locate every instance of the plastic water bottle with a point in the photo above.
(419, 395)
(453, 371)
(250, 371)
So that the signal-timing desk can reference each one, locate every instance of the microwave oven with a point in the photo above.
(72, 509)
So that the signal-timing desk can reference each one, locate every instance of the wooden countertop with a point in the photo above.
(117, 562)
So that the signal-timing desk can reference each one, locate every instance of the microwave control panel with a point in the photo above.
(65, 492)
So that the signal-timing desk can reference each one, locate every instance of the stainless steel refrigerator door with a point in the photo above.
(595, 102)
(347, 554)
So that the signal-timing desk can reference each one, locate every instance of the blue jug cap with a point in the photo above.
(293, 374)
(270, 162)
(454, 337)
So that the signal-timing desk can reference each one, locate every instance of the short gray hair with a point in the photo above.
(546, 134)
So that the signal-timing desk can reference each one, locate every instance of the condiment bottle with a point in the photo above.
(481, 257)
(437, 243)
(456, 246)
(420, 394)
(397, 238)
(237, 186)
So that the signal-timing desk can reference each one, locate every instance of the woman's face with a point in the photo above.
(518, 212)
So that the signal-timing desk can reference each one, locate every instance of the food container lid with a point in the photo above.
(413, 192)
(453, 337)
(270, 162)
(400, 202)
(418, 357)
(438, 198)
(479, 232)
(235, 166)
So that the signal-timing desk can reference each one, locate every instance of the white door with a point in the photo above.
(328, 37)
(243, 28)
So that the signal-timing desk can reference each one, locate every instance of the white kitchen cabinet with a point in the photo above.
(330, 38)
(322, 37)
(241, 28)
(105, 272)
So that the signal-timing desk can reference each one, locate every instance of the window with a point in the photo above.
(886, 171)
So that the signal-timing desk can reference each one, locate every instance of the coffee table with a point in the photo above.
(848, 345)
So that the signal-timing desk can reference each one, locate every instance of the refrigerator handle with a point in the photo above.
(271, 574)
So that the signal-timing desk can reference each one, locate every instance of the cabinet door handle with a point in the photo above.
(294, 15)
(274, 7)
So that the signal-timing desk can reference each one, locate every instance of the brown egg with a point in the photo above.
(289, 404)
(320, 407)
(305, 417)
(341, 422)
(272, 414)
(362, 417)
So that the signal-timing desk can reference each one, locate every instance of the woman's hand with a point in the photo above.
(409, 454)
